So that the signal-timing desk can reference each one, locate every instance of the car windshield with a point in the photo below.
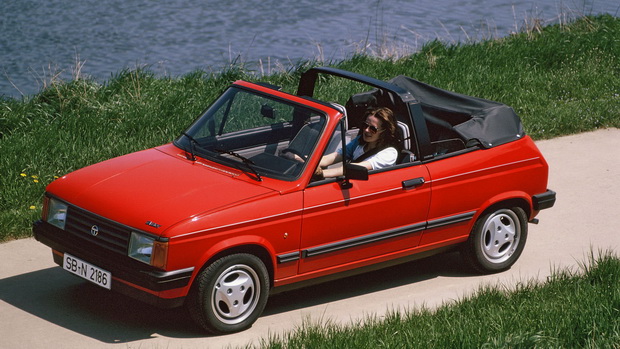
(258, 134)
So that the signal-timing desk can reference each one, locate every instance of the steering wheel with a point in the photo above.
(296, 152)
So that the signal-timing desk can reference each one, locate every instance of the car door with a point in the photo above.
(367, 223)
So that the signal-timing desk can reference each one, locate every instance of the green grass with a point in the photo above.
(563, 80)
(571, 310)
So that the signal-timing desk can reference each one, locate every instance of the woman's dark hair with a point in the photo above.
(389, 135)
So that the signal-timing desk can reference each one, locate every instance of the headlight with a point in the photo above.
(57, 213)
(145, 249)
(141, 247)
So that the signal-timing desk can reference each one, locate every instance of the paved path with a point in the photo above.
(41, 306)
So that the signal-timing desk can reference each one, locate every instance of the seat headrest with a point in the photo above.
(405, 135)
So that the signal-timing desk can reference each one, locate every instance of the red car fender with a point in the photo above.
(234, 244)
(516, 198)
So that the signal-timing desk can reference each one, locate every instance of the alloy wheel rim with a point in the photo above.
(500, 236)
(235, 294)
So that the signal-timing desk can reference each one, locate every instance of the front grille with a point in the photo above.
(110, 235)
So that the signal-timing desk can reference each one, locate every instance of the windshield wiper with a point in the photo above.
(249, 164)
(192, 143)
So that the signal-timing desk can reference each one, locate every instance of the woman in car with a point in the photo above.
(374, 148)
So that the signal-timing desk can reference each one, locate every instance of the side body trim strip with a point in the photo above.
(315, 251)
(410, 229)
(287, 257)
(463, 217)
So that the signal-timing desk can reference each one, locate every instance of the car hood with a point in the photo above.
(154, 186)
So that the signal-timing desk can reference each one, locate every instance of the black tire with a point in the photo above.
(230, 294)
(496, 240)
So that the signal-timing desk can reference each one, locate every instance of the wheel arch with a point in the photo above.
(507, 201)
(255, 249)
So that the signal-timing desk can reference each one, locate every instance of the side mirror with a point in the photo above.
(356, 172)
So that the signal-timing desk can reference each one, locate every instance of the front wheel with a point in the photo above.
(230, 294)
(497, 240)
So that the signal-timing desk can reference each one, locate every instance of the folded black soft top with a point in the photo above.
(490, 123)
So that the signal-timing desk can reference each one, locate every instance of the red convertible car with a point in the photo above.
(240, 207)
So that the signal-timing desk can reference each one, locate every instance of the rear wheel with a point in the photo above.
(497, 240)
(230, 294)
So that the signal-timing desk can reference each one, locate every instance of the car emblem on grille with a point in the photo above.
(94, 230)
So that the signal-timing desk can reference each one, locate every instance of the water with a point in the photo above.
(44, 39)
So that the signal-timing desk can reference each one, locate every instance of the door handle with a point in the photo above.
(412, 183)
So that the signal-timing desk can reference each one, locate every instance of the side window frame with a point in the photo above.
(343, 143)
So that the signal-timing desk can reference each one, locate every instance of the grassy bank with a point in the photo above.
(561, 80)
(571, 310)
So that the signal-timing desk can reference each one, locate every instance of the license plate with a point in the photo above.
(87, 271)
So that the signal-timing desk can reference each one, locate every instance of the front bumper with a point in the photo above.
(544, 200)
(130, 277)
